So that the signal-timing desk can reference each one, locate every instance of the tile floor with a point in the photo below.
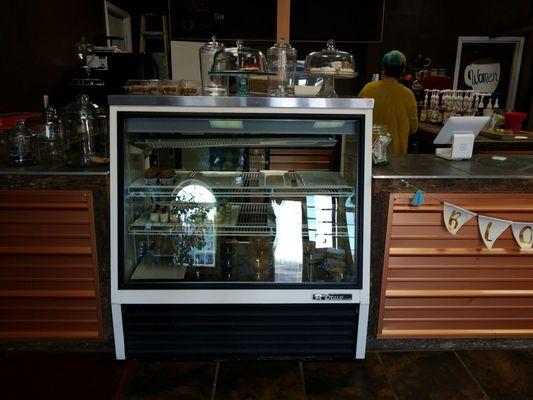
(435, 375)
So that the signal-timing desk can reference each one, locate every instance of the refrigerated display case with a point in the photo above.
(240, 226)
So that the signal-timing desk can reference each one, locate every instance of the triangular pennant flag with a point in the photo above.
(491, 229)
(523, 234)
(418, 198)
(455, 217)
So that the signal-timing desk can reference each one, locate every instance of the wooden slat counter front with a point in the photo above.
(433, 290)
(49, 284)
(436, 284)
(54, 258)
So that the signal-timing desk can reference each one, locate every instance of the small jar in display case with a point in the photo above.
(281, 60)
(381, 144)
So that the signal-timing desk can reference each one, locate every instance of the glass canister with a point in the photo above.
(233, 61)
(381, 144)
(281, 59)
(330, 64)
(211, 85)
(22, 145)
(84, 127)
(239, 58)
(51, 143)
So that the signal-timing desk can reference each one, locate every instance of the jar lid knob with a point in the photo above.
(330, 44)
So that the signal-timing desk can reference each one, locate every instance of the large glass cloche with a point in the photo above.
(330, 61)
(239, 58)
(330, 64)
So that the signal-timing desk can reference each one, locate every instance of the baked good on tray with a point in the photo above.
(166, 176)
(151, 175)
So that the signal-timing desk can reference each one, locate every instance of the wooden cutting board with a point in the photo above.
(524, 135)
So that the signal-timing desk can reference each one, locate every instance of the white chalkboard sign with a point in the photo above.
(489, 65)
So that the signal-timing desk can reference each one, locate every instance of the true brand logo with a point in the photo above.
(331, 296)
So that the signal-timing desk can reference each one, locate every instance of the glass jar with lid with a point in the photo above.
(211, 85)
(238, 64)
(51, 143)
(239, 58)
(281, 59)
(84, 127)
(381, 144)
(330, 63)
(22, 145)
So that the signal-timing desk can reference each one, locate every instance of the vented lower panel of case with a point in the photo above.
(241, 331)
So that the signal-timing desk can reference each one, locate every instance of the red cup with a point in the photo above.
(513, 121)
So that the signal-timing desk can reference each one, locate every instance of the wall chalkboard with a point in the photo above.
(228, 20)
(341, 20)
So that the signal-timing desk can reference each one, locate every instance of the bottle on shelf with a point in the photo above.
(447, 100)
(487, 112)
(425, 108)
(480, 106)
(496, 107)
(466, 104)
(434, 115)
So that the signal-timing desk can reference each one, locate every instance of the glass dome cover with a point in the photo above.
(239, 58)
(85, 132)
(211, 85)
(281, 60)
(330, 61)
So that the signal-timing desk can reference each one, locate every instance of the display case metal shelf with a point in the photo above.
(254, 219)
(252, 184)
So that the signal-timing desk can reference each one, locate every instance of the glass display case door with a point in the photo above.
(239, 201)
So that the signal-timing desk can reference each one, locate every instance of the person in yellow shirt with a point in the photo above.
(394, 104)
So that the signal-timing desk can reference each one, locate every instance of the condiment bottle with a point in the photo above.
(425, 109)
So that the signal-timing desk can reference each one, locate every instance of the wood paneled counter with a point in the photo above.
(431, 289)
(54, 258)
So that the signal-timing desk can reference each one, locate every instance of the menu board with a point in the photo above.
(341, 20)
(192, 20)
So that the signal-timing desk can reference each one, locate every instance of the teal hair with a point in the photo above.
(394, 63)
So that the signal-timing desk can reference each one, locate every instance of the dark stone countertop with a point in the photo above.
(428, 166)
(53, 169)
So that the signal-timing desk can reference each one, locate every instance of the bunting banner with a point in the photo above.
(523, 234)
(455, 217)
(491, 229)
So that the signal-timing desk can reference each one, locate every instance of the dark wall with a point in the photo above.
(432, 28)
(37, 39)
(37, 46)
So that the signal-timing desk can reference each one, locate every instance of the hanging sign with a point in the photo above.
(455, 217)
(491, 229)
(523, 234)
